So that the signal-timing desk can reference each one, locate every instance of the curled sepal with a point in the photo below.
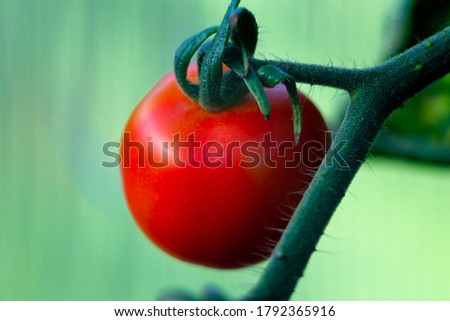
(244, 33)
(201, 53)
(183, 57)
(244, 29)
(211, 77)
(271, 76)
(254, 85)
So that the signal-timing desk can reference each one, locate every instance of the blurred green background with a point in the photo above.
(71, 72)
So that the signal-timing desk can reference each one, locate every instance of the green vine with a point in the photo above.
(380, 91)
(374, 94)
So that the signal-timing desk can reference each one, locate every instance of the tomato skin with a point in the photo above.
(218, 212)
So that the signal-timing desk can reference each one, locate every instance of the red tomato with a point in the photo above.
(217, 188)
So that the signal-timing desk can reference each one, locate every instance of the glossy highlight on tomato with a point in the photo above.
(217, 188)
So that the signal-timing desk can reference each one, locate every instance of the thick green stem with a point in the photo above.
(375, 94)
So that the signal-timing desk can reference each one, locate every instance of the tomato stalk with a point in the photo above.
(234, 45)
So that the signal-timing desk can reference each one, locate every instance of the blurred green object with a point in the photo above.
(71, 73)
(421, 129)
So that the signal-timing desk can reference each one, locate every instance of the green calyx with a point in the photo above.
(234, 45)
